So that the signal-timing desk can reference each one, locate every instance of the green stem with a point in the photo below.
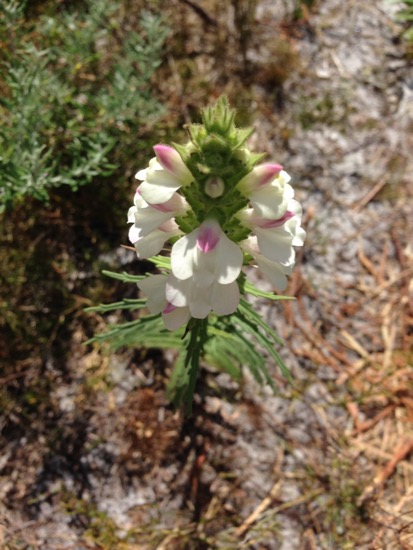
(194, 352)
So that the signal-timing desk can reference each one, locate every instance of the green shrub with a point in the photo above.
(405, 15)
(73, 84)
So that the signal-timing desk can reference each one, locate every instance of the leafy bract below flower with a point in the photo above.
(221, 210)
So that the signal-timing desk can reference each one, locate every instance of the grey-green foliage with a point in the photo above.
(72, 85)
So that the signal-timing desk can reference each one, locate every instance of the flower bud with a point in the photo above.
(214, 187)
(171, 161)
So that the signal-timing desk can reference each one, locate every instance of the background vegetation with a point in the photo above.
(86, 89)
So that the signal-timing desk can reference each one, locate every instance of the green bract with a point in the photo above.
(217, 150)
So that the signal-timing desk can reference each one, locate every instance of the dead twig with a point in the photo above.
(402, 450)
(370, 195)
(202, 13)
(264, 504)
(367, 424)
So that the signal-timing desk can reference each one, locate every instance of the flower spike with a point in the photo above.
(213, 209)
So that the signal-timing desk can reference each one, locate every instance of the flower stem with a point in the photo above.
(194, 352)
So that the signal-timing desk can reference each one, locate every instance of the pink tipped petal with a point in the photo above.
(162, 207)
(208, 236)
(176, 318)
(168, 157)
(148, 219)
(259, 176)
(266, 173)
(177, 203)
(169, 308)
(296, 208)
(171, 161)
(268, 224)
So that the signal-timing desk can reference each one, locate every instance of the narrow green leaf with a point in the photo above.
(124, 304)
(247, 309)
(250, 288)
(125, 277)
(161, 262)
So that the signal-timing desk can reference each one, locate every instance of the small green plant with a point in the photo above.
(74, 83)
(301, 8)
(405, 15)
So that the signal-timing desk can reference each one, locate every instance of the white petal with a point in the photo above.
(247, 217)
(177, 204)
(158, 193)
(250, 246)
(131, 214)
(176, 318)
(154, 288)
(269, 202)
(204, 277)
(293, 227)
(229, 259)
(276, 244)
(178, 292)
(141, 175)
(170, 226)
(182, 256)
(299, 237)
(134, 234)
(153, 165)
(152, 244)
(138, 200)
(288, 191)
(147, 219)
(200, 304)
(225, 298)
(283, 177)
(274, 272)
